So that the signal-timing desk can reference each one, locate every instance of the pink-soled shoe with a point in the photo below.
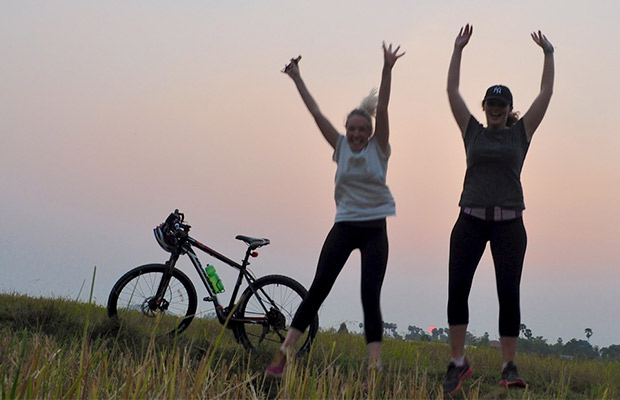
(455, 377)
(276, 369)
(511, 378)
(373, 377)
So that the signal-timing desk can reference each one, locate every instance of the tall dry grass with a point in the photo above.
(56, 348)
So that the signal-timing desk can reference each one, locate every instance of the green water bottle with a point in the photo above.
(214, 279)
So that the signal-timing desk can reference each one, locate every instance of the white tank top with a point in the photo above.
(361, 193)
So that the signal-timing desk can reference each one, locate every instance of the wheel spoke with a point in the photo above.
(133, 301)
(281, 297)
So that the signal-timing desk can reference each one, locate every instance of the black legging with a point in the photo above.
(371, 238)
(467, 243)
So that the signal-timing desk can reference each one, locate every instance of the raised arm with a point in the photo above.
(457, 104)
(533, 117)
(327, 129)
(382, 126)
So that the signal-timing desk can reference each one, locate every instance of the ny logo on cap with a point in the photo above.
(497, 90)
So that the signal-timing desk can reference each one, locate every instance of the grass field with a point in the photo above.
(56, 348)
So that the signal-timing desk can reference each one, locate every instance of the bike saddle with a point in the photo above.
(254, 243)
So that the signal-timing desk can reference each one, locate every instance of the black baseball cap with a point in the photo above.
(498, 92)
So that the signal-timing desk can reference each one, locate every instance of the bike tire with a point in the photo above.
(128, 302)
(287, 294)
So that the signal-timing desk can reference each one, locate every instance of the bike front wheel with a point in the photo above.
(133, 301)
(265, 312)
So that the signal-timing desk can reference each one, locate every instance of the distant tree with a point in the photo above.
(477, 341)
(588, 333)
(470, 338)
(580, 349)
(611, 353)
(415, 333)
(441, 334)
(535, 345)
(484, 341)
(525, 331)
(558, 347)
(390, 329)
(343, 328)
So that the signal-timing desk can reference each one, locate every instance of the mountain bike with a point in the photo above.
(162, 300)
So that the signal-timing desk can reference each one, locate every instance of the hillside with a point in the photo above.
(57, 348)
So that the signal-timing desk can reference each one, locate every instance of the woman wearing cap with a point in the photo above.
(491, 208)
(363, 201)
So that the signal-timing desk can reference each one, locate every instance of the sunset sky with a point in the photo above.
(113, 114)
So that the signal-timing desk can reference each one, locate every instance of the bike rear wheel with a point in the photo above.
(132, 301)
(264, 315)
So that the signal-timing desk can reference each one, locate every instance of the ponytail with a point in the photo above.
(512, 119)
(366, 109)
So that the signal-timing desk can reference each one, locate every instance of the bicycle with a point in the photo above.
(163, 299)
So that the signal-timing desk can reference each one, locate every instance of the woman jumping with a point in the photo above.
(363, 201)
(491, 208)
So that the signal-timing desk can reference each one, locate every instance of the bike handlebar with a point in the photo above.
(175, 223)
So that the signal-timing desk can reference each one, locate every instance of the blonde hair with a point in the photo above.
(366, 109)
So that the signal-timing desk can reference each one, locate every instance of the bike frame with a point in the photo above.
(223, 313)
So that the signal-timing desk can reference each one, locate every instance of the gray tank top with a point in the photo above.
(494, 163)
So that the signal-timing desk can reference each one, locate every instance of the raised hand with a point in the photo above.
(390, 56)
(292, 68)
(463, 37)
(542, 41)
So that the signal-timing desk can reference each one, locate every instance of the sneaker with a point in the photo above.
(510, 377)
(455, 377)
(276, 369)
(374, 374)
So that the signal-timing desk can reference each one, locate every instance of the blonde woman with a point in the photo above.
(363, 201)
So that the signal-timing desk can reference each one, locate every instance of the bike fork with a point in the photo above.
(157, 301)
